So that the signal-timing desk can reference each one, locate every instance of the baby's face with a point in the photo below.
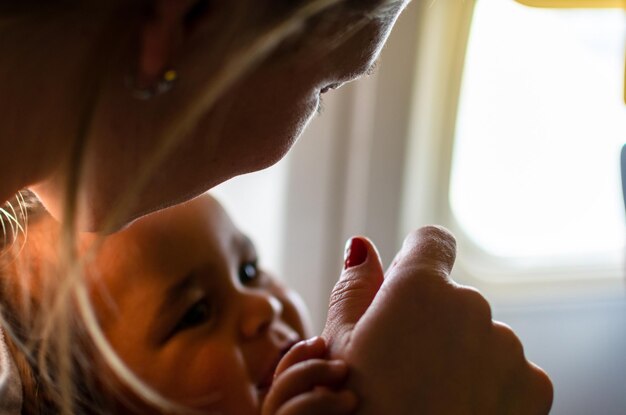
(184, 304)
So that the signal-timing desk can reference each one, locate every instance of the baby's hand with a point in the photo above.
(306, 383)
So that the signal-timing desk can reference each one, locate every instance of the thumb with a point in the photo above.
(358, 284)
(430, 248)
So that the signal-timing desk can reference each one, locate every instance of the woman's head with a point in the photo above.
(75, 78)
(181, 299)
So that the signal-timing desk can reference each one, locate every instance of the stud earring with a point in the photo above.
(168, 78)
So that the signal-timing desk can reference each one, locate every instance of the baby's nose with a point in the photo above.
(259, 311)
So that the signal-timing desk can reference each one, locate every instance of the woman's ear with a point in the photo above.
(161, 36)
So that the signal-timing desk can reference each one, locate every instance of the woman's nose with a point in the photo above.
(259, 311)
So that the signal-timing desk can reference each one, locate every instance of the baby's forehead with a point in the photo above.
(202, 222)
(203, 215)
(198, 226)
(158, 250)
(204, 208)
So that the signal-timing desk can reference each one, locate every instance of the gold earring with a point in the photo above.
(168, 78)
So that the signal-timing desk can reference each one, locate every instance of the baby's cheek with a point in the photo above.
(232, 391)
(210, 379)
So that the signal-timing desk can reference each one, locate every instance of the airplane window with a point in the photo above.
(541, 122)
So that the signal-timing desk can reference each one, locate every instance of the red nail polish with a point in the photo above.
(355, 253)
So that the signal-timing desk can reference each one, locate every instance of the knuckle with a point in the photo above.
(529, 391)
(469, 310)
(422, 278)
(544, 390)
(316, 369)
(439, 232)
(474, 303)
(432, 273)
(306, 348)
(432, 241)
(548, 388)
(508, 343)
(434, 232)
(432, 246)
(299, 349)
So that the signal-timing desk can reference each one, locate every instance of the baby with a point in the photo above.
(180, 297)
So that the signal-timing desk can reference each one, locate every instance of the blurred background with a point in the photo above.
(504, 122)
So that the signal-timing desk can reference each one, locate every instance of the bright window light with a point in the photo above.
(541, 123)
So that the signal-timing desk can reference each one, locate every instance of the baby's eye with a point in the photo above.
(199, 313)
(248, 273)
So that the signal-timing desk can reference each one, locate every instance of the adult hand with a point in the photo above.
(418, 343)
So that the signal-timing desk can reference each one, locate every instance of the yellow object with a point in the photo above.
(576, 4)
(170, 75)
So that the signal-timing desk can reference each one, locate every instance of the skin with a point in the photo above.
(222, 333)
(183, 303)
(459, 360)
(251, 126)
(458, 343)
(308, 384)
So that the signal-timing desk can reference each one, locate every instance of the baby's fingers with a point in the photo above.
(302, 378)
(314, 348)
(307, 375)
(320, 401)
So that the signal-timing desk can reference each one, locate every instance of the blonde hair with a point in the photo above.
(55, 335)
